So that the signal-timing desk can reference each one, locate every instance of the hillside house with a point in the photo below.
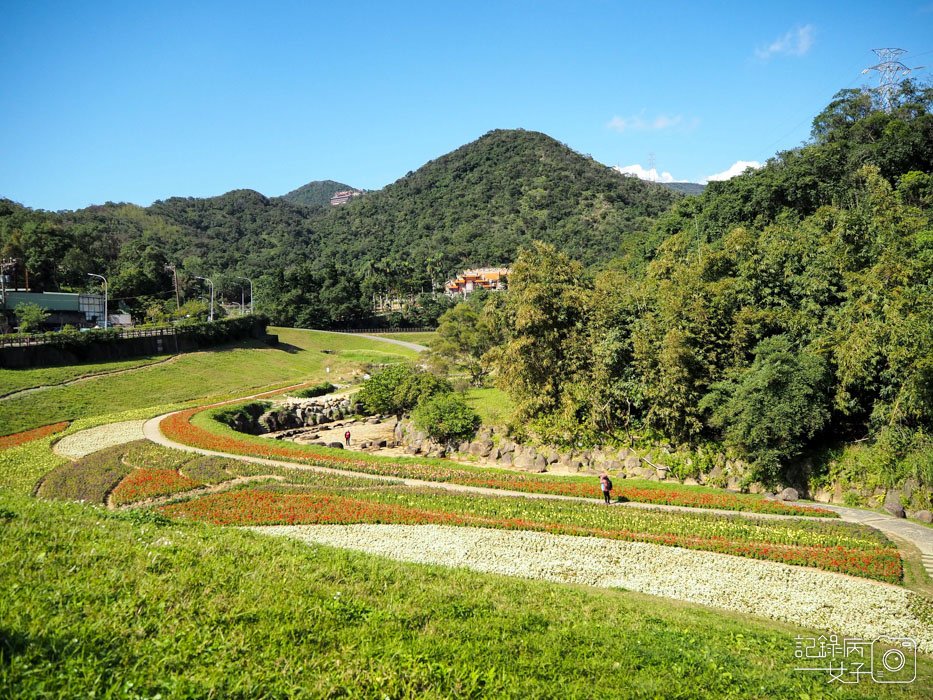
(492, 279)
(343, 196)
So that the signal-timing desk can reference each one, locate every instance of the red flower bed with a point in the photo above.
(29, 435)
(141, 484)
(269, 508)
(178, 427)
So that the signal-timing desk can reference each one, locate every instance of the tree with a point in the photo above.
(398, 389)
(466, 333)
(770, 410)
(30, 317)
(446, 418)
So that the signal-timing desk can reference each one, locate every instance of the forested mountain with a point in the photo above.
(321, 266)
(316, 193)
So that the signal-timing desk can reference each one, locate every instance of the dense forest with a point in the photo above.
(784, 311)
(320, 266)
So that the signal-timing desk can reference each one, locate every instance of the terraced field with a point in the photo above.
(175, 586)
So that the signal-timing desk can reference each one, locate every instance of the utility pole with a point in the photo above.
(250, 293)
(891, 71)
(211, 315)
(175, 280)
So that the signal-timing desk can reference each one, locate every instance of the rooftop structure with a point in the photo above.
(492, 279)
(344, 196)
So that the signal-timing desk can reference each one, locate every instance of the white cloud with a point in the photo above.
(645, 174)
(638, 122)
(737, 168)
(796, 42)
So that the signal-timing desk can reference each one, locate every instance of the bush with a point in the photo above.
(243, 418)
(398, 389)
(316, 390)
(446, 418)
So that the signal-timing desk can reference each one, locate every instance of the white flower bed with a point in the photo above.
(100, 438)
(816, 599)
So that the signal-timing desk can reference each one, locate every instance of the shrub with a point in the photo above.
(243, 418)
(398, 389)
(446, 418)
(316, 390)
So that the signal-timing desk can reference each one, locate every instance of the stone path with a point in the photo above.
(404, 343)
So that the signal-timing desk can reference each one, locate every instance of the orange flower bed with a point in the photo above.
(22, 438)
(179, 427)
(141, 484)
(254, 507)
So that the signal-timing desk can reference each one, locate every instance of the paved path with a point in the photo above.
(404, 343)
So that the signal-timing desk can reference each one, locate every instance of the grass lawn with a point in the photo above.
(493, 405)
(302, 356)
(130, 605)
(17, 379)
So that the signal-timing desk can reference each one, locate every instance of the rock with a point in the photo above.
(614, 465)
(524, 461)
(463, 447)
(892, 504)
(506, 459)
(552, 456)
(506, 446)
(373, 421)
(690, 481)
(924, 516)
(733, 483)
(788, 494)
(540, 463)
(335, 445)
(632, 463)
(412, 450)
(382, 443)
(365, 444)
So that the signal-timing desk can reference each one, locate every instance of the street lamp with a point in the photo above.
(210, 316)
(106, 286)
(250, 293)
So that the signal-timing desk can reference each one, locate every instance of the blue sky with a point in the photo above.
(138, 101)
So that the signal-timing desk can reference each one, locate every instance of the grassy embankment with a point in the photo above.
(130, 605)
(302, 356)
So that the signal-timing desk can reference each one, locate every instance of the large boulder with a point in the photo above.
(924, 516)
(788, 494)
(892, 504)
(335, 445)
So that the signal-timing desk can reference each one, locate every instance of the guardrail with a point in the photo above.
(376, 331)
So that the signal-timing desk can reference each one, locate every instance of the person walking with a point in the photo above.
(346, 437)
(605, 483)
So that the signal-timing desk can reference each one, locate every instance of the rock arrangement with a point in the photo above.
(304, 413)
(492, 447)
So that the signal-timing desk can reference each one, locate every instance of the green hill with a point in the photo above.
(316, 193)
(480, 203)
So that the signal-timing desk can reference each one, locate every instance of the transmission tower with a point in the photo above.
(891, 71)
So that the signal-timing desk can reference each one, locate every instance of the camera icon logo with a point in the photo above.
(893, 660)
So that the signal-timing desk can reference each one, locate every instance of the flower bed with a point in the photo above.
(816, 599)
(257, 507)
(141, 484)
(178, 427)
(85, 442)
(22, 438)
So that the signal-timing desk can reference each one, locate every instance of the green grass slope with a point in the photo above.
(301, 356)
(128, 605)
